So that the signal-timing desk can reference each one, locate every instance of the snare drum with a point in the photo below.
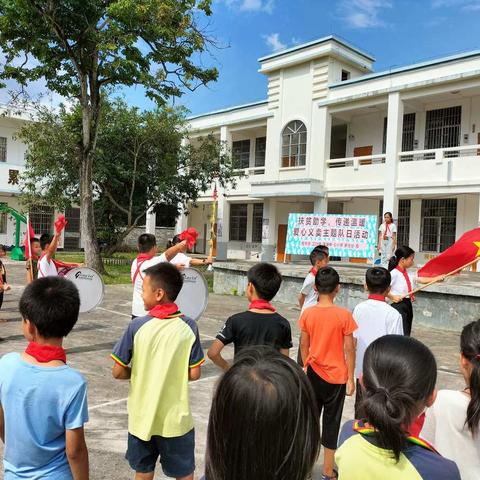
(192, 300)
(90, 287)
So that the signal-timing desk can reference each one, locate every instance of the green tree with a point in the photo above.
(83, 47)
(141, 163)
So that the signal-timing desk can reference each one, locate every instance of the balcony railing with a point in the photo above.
(250, 171)
(439, 154)
(355, 162)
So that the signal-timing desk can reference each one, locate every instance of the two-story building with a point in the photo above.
(334, 136)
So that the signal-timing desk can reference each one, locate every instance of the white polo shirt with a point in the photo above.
(181, 259)
(374, 319)
(308, 289)
(399, 286)
(46, 268)
(392, 228)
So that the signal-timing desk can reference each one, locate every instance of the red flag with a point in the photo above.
(190, 235)
(60, 223)
(215, 193)
(463, 251)
(28, 238)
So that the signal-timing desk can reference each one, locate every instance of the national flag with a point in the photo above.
(465, 250)
(215, 193)
(28, 237)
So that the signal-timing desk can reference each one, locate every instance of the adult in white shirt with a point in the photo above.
(387, 238)
(452, 423)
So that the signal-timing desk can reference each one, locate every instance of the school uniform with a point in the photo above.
(402, 283)
(386, 242)
(3, 280)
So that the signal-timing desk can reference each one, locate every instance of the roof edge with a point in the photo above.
(229, 109)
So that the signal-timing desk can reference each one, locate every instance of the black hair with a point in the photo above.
(146, 241)
(176, 239)
(323, 248)
(266, 279)
(34, 239)
(167, 277)
(400, 252)
(390, 214)
(470, 348)
(395, 388)
(317, 255)
(269, 396)
(45, 239)
(327, 280)
(378, 279)
(52, 305)
(3, 248)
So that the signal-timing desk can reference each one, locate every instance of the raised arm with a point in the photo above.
(52, 247)
(172, 251)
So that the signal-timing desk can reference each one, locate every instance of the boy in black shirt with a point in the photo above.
(259, 325)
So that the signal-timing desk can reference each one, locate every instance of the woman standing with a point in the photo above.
(387, 238)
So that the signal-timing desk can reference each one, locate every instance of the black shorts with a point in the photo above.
(330, 399)
(177, 454)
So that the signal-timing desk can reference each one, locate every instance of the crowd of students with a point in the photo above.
(264, 421)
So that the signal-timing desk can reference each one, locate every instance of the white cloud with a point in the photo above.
(363, 13)
(274, 42)
(464, 5)
(252, 5)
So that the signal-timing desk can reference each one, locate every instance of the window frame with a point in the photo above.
(296, 127)
(238, 222)
(244, 154)
(3, 149)
(257, 222)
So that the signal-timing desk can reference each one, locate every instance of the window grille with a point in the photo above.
(294, 144)
(257, 223)
(438, 224)
(241, 154)
(238, 222)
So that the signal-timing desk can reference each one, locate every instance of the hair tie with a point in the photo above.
(384, 392)
(477, 356)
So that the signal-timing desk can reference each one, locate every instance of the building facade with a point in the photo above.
(333, 136)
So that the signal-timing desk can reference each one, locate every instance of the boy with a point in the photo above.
(375, 318)
(32, 266)
(4, 286)
(260, 324)
(147, 247)
(43, 402)
(328, 353)
(164, 352)
(308, 295)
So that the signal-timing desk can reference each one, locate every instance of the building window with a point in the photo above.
(403, 222)
(260, 149)
(3, 149)
(442, 128)
(241, 154)
(41, 218)
(3, 221)
(238, 222)
(438, 224)
(294, 145)
(345, 75)
(408, 134)
(72, 215)
(257, 223)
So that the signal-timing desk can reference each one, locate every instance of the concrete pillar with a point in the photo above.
(319, 142)
(320, 204)
(269, 230)
(415, 223)
(394, 145)
(182, 222)
(151, 221)
(223, 227)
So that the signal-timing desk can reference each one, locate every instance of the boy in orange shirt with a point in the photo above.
(328, 353)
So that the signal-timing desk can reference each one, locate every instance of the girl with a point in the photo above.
(403, 283)
(452, 424)
(184, 260)
(399, 375)
(387, 238)
(263, 422)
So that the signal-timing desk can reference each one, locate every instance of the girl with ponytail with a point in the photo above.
(452, 424)
(403, 283)
(395, 392)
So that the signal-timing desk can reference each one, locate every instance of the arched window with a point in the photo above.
(294, 144)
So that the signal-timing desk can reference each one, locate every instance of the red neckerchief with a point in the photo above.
(314, 271)
(165, 310)
(387, 230)
(58, 264)
(407, 279)
(141, 257)
(374, 296)
(261, 305)
(46, 353)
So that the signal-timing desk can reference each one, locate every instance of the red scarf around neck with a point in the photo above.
(261, 305)
(314, 271)
(374, 296)
(407, 280)
(387, 231)
(164, 310)
(46, 353)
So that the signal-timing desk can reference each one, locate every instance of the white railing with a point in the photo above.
(356, 162)
(439, 154)
(250, 171)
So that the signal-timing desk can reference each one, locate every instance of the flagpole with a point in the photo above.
(213, 221)
(453, 272)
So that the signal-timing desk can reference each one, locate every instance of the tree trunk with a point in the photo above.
(88, 230)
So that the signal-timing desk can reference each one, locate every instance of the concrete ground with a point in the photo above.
(89, 346)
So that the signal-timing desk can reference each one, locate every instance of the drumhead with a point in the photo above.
(90, 287)
(193, 297)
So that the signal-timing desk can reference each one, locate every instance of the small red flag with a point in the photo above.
(60, 223)
(215, 193)
(28, 236)
(463, 251)
(190, 235)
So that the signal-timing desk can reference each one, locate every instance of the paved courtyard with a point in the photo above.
(90, 343)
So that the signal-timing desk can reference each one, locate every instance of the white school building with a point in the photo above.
(335, 136)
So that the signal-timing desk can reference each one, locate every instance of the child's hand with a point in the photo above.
(180, 266)
(6, 287)
(350, 387)
(396, 298)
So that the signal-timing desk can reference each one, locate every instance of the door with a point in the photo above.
(281, 242)
(363, 152)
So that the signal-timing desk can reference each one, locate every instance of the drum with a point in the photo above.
(193, 297)
(90, 287)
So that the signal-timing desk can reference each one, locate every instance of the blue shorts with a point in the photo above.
(177, 454)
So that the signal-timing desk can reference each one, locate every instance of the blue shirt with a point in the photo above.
(39, 404)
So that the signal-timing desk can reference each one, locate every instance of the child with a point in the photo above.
(268, 394)
(260, 324)
(4, 286)
(43, 402)
(164, 352)
(147, 247)
(32, 265)
(387, 239)
(452, 424)
(328, 353)
(184, 260)
(374, 318)
(399, 375)
(403, 283)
